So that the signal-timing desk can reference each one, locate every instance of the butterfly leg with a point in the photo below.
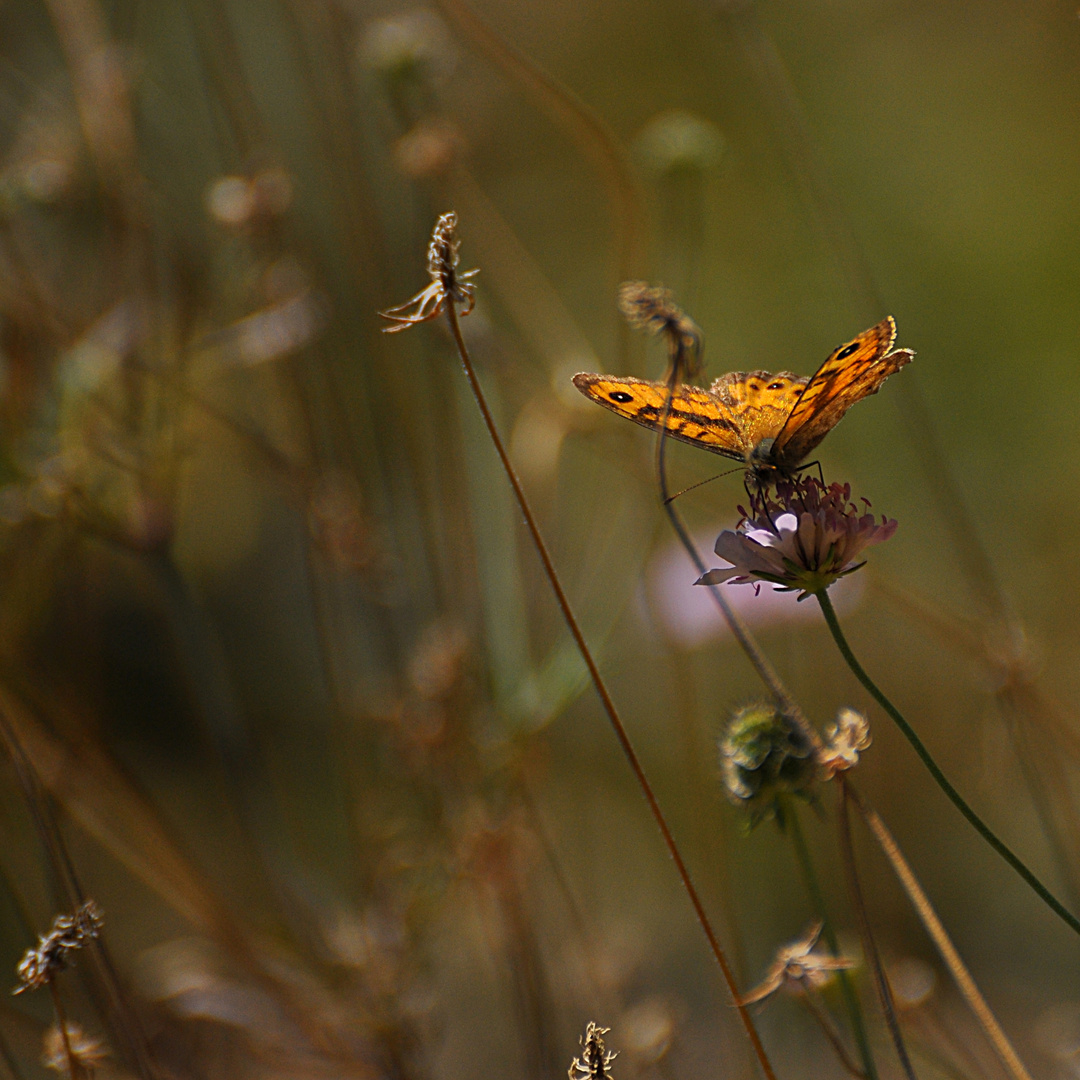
(759, 501)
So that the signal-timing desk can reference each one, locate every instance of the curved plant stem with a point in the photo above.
(957, 799)
(602, 691)
(758, 660)
(936, 930)
(870, 949)
(817, 900)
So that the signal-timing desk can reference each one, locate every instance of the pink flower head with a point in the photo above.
(801, 540)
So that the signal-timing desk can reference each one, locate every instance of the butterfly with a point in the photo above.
(768, 422)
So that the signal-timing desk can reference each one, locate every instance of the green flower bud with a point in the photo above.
(764, 756)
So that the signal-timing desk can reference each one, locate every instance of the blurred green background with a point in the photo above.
(271, 632)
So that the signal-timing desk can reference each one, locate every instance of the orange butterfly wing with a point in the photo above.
(769, 422)
(852, 372)
(695, 416)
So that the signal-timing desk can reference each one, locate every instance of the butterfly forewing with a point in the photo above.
(770, 422)
(851, 372)
(695, 416)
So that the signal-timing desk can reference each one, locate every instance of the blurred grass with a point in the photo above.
(270, 627)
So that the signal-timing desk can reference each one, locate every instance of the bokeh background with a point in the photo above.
(273, 639)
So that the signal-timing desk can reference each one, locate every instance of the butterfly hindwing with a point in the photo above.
(760, 402)
(695, 416)
(851, 372)
(770, 422)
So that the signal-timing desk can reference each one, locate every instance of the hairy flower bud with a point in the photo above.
(765, 756)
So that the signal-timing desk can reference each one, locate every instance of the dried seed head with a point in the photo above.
(652, 308)
(69, 933)
(797, 965)
(845, 739)
(446, 282)
(595, 1057)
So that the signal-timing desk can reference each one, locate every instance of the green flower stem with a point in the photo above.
(817, 900)
(957, 799)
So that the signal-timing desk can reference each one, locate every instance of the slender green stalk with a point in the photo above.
(942, 781)
(602, 691)
(817, 901)
(829, 1030)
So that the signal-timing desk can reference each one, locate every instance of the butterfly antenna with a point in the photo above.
(700, 483)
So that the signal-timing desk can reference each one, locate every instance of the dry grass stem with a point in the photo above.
(928, 917)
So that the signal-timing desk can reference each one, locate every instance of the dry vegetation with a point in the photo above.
(304, 774)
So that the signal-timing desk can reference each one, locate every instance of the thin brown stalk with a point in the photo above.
(1024, 709)
(870, 949)
(75, 1070)
(602, 691)
(925, 910)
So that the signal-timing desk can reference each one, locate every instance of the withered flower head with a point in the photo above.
(845, 739)
(595, 1058)
(69, 933)
(653, 308)
(443, 259)
(802, 541)
(86, 1051)
(798, 965)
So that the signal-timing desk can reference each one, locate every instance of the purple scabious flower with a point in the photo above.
(801, 540)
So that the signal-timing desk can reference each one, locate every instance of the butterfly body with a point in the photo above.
(768, 421)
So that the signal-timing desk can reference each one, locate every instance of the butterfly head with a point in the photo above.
(761, 456)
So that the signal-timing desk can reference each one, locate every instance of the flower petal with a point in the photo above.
(716, 577)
